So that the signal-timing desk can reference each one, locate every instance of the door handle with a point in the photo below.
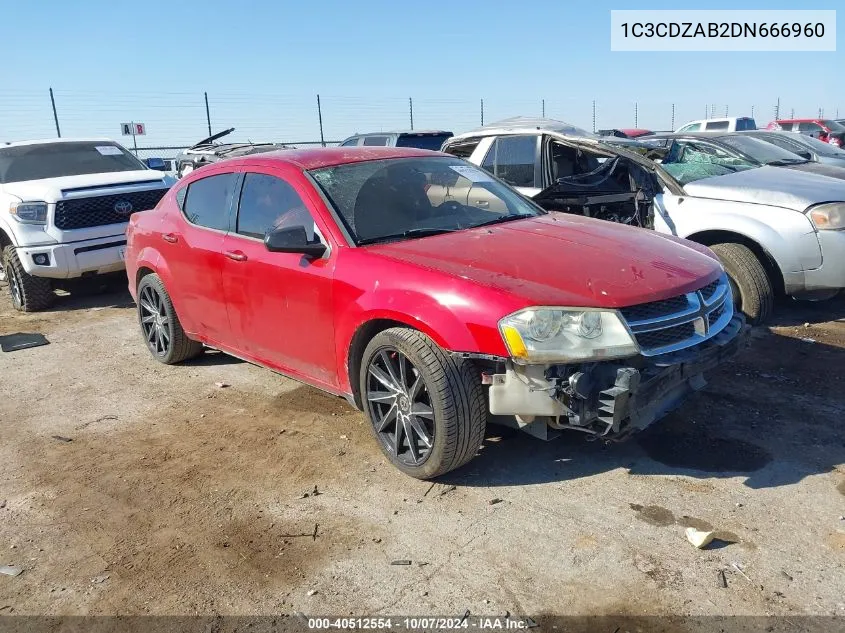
(238, 256)
(170, 237)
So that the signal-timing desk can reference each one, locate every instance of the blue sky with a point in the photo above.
(263, 63)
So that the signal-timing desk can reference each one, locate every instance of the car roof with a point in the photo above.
(813, 120)
(527, 124)
(414, 132)
(44, 141)
(317, 157)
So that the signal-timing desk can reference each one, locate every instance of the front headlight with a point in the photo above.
(561, 335)
(829, 216)
(29, 212)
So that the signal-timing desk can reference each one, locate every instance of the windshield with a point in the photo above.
(423, 141)
(688, 161)
(74, 158)
(761, 151)
(404, 198)
(833, 126)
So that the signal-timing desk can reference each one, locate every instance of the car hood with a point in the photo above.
(775, 186)
(53, 189)
(820, 169)
(560, 259)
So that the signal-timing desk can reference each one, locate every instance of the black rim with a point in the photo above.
(14, 287)
(155, 321)
(400, 406)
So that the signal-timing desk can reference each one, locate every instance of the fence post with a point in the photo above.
(320, 117)
(482, 112)
(594, 116)
(726, 110)
(673, 118)
(544, 108)
(752, 112)
(792, 113)
(55, 115)
(411, 108)
(777, 109)
(636, 114)
(207, 114)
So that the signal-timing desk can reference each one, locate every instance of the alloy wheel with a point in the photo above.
(155, 322)
(14, 287)
(400, 406)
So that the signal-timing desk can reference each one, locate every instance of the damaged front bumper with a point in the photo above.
(613, 398)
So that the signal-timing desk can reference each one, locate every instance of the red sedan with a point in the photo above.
(429, 294)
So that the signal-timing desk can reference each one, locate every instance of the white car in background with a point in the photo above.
(64, 207)
(775, 230)
(725, 124)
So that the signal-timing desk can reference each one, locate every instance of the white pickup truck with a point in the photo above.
(64, 206)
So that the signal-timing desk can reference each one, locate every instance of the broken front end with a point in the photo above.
(611, 372)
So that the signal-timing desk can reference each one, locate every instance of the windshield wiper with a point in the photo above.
(504, 218)
(787, 161)
(420, 232)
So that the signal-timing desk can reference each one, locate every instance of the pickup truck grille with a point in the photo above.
(680, 322)
(80, 213)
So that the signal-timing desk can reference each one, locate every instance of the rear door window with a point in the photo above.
(716, 126)
(208, 200)
(375, 140)
(809, 126)
(746, 124)
(692, 127)
(512, 158)
(350, 142)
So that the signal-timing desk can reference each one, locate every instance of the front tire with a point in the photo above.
(160, 326)
(754, 293)
(29, 294)
(426, 407)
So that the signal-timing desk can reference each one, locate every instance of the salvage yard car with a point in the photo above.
(64, 206)
(775, 229)
(353, 270)
(208, 151)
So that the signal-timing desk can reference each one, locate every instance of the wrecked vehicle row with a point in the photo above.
(431, 296)
(775, 230)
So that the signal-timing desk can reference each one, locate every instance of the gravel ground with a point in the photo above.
(175, 495)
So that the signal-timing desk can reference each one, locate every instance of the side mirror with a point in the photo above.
(156, 163)
(805, 155)
(293, 239)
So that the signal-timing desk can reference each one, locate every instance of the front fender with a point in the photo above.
(447, 318)
(787, 235)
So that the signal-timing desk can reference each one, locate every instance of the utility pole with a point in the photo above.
(777, 109)
(636, 108)
(411, 107)
(482, 112)
(594, 115)
(726, 110)
(673, 118)
(320, 117)
(55, 114)
(544, 108)
(752, 112)
(207, 114)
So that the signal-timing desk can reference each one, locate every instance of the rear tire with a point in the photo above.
(29, 294)
(160, 325)
(756, 294)
(415, 392)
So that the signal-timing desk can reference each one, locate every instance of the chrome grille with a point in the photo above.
(680, 322)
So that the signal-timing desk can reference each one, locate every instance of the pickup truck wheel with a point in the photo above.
(426, 407)
(29, 294)
(160, 326)
(753, 291)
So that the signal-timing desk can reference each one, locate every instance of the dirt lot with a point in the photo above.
(177, 496)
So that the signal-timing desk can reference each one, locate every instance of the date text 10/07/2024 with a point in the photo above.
(422, 623)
